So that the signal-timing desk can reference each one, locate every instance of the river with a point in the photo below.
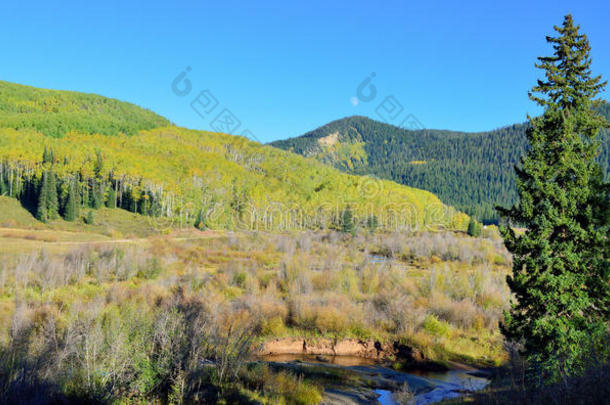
(354, 380)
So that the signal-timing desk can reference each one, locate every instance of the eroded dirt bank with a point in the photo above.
(369, 349)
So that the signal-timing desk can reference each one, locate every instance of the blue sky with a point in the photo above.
(283, 68)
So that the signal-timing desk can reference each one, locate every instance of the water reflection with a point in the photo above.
(428, 387)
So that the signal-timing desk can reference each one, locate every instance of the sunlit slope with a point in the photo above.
(55, 112)
(194, 177)
(473, 172)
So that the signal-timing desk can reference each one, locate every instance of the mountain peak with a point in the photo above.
(471, 171)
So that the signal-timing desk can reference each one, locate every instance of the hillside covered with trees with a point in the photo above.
(62, 152)
(470, 171)
(55, 113)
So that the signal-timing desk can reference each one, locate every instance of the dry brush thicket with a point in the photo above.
(179, 320)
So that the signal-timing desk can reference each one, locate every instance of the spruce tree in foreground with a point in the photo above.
(560, 273)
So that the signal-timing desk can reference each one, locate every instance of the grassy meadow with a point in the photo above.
(108, 316)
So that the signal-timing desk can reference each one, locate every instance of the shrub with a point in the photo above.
(435, 327)
(89, 219)
(294, 389)
(151, 269)
(474, 228)
(273, 327)
(330, 320)
(239, 279)
(280, 387)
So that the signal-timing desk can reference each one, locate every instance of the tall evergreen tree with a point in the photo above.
(48, 202)
(111, 198)
(200, 220)
(96, 194)
(98, 165)
(46, 157)
(42, 211)
(347, 221)
(71, 208)
(372, 223)
(52, 197)
(560, 275)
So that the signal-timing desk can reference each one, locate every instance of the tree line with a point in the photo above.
(472, 172)
(50, 196)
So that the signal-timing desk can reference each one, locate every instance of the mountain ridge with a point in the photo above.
(100, 151)
(472, 171)
(55, 112)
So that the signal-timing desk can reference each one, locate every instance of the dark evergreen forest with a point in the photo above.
(470, 171)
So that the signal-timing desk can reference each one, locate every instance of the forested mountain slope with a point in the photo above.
(55, 113)
(62, 152)
(470, 171)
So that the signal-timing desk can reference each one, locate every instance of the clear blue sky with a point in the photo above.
(284, 68)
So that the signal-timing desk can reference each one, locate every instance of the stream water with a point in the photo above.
(365, 381)
(359, 381)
